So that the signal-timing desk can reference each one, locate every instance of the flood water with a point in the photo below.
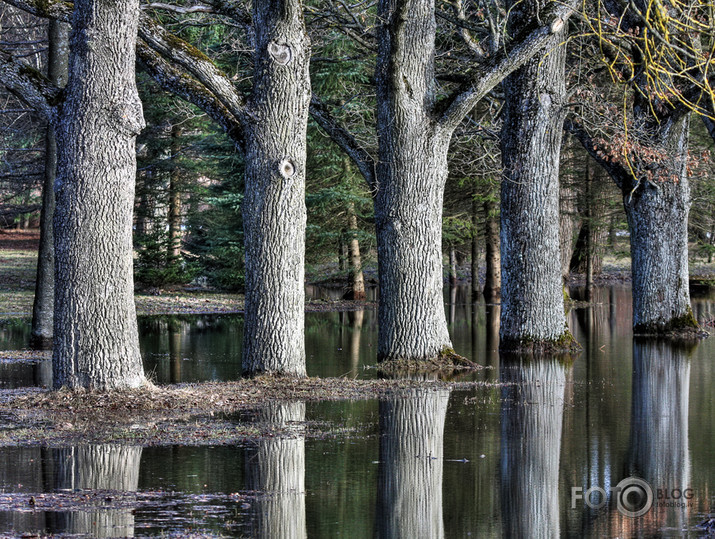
(514, 460)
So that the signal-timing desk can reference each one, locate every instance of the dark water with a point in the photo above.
(512, 461)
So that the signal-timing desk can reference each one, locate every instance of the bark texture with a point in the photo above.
(492, 280)
(410, 469)
(532, 421)
(274, 212)
(532, 292)
(277, 468)
(411, 174)
(357, 279)
(96, 339)
(44, 302)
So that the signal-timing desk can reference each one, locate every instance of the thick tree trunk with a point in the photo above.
(95, 327)
(357, 280)
(274, 212)
(44, 302)
(174, 216)
(658, 222)
(410, 469)
(411, 174)
(532, 293)
(277, 468)
(532, 421)
(492, 282)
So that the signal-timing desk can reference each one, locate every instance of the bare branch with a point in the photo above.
(347, 142)
(47, 9)
(30, 85)
(178, 9)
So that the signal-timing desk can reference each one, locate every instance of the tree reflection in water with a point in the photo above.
(531, 424)
(409, 498)
(276, 469)
(96, 467)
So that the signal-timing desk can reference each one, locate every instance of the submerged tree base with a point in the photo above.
(565, 344)
(683, 327)
(447, 361)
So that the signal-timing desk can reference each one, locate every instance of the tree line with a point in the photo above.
(622, 78)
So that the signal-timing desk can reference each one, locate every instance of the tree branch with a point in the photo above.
(345, 140)
(31, 86)
(178, 9)
(179, 83)
(619, 173)
(46, 9)
(499, 67)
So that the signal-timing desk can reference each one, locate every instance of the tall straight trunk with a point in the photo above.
(44, 302)
(452, 265)
(475, 251)
(532, 293)
(174, 216)
(274, 212)
(96, 340)
(658, 221)
(492, 283)
(410, 469)
(567, 216)
(357, 280)
(411, 174)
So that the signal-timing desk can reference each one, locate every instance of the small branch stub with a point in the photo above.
(557, 25)
(287, 169)
(280, 52)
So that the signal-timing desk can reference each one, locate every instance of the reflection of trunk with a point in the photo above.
(175, 350)
(357, 281)
(97, 467)
(532, 419)
(659, 422)
(43, 306)
(356, 318)
(452, 304)
(492, 283)
(277, 468)
(532, 298)
(410, 471)
(493, 316)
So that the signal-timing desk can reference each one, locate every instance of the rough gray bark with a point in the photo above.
(96, 341)
(532, 421)
(44, 302)
(474, 260)
(174, 214)
(532, 290)
(274, 212)
(410, 469)
(277, 469)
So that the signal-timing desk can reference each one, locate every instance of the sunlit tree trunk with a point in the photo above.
(492, 283)
(276, 468)
(274, 212)
(474, 263)
(410, 471)
(357, 280)
(174, 217)
(44, 302)
(96, 343)
(532, 290)
(532, 420)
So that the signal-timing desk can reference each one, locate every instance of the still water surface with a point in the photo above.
(495, 461)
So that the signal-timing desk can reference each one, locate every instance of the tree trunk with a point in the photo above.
(452, 266)
(567, 217)
(532, 421)
(174, 216)
(274, 212)
(492, 283)
(410, 469)
(276, 468)
(475, 251)
(411, 174)
(95, 327)
(658, 221)
(357, 278)
(44, 302)
(532, 296)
